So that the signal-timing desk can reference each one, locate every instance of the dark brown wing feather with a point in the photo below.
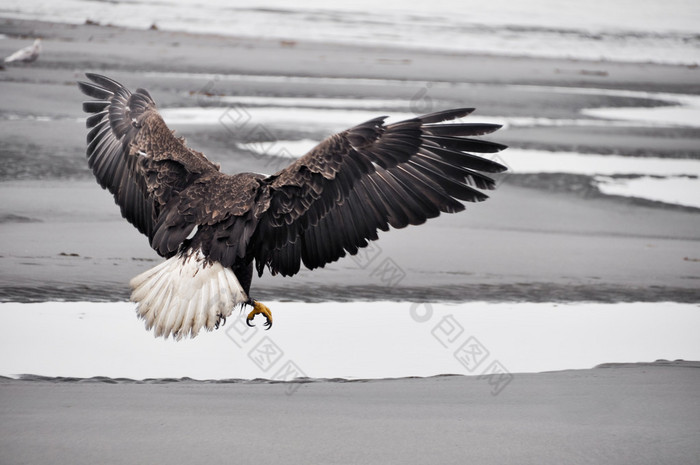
(137, 158)
(326, 204)
(334, 199)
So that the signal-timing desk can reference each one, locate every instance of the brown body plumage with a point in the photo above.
(328, 203)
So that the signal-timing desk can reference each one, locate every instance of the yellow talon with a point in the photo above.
(258, 309)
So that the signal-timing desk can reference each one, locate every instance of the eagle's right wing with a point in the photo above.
(134, 155)
(334, 199)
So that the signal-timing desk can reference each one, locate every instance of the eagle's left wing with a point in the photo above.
(135, 156)
(335, 198)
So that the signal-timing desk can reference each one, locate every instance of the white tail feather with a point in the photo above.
(184, 294)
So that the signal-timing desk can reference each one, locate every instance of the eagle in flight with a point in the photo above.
(215, 229)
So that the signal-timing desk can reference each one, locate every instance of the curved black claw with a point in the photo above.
(267, 324)
(258, 309)
(220, 322)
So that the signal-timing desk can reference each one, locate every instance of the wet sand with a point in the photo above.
(536, 239)
(521, 245)
(642, 413)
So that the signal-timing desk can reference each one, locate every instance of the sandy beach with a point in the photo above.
(643, 414)
(568, 249)
(572, 242)
(545, 236)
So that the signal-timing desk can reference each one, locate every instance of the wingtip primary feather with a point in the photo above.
(446, 115)
(95, 106)
(104, 81)
(94, 91)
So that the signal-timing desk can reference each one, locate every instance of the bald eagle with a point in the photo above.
(214, 229)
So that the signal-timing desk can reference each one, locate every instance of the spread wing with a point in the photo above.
(136, 157)
(333, 200)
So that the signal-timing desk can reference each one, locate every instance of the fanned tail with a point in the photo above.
(184, 294)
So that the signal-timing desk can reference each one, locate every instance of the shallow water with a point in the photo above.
(598, 29)
(348, 340)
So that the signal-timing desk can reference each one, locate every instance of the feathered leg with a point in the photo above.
(244, 274)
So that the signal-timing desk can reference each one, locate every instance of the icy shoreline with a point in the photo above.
(351, 340)
(618, 31)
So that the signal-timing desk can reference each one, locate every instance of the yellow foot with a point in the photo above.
(259, 308)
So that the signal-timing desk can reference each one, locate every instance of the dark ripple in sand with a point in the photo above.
(509, 292)
(264, 381)
(34, 161)
(12, 218)
(107, 380)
